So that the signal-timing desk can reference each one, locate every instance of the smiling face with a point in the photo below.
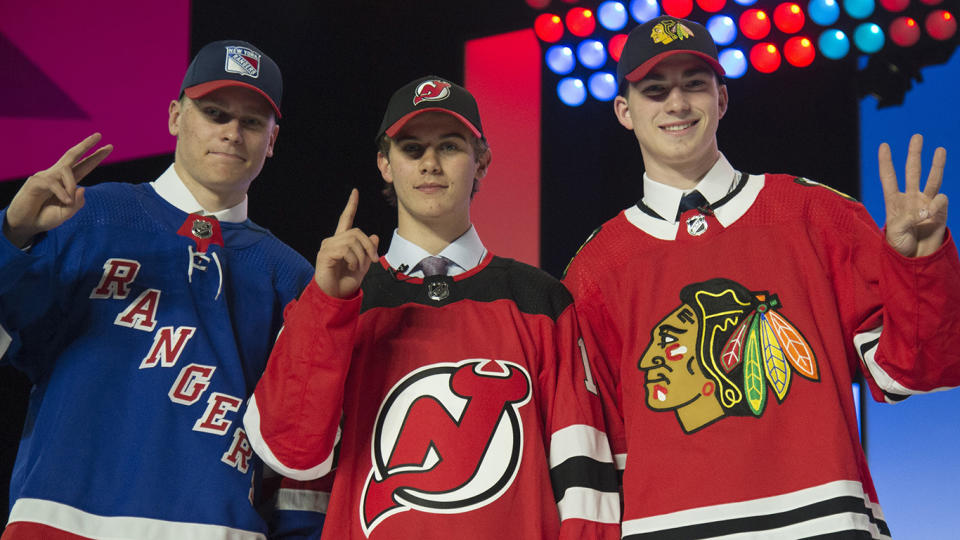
(674, 112)
(432, 166)
(223, 140)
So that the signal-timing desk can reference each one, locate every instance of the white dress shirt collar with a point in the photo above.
(465, 253)
(720, 180)
(172, 189)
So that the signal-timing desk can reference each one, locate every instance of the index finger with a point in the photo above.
(346, 218)
(71, 156)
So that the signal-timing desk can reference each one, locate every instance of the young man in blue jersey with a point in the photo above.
(144, 314)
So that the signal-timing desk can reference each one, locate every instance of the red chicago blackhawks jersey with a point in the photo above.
(469, 409)
(729, 341)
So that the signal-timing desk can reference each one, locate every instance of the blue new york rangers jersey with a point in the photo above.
(143, 333)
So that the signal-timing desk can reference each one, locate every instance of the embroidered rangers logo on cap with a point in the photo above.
(434, 90)
(670, 30)
(242, 61)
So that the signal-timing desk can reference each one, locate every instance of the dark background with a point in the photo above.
(341, 64)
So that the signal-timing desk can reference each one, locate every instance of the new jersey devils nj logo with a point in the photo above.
(448, 439)
(431, 91)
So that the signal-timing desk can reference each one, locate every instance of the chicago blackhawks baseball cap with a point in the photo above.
(233, 63)
(430, 93)
(651, 42)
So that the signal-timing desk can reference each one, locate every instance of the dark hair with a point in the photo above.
(721, 305)
(480, 147)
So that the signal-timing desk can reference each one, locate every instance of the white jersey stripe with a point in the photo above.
(589, 504)
(303, 500)
(576, 441)
(5, 341)
(251, 422)
(72, 520)
(866, 344)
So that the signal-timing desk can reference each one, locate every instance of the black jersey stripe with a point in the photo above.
(582, 471)
(761, 523)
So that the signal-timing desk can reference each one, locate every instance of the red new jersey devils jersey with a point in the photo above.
(451, 407)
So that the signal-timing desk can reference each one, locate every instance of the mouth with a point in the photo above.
(659, 392)
(430, 188)
(227, 155)
(679, 127)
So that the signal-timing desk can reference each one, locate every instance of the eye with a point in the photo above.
(253, 123)
(215, 114)
(653, 90)
(449, 146)
(412, 150)
(696, 84)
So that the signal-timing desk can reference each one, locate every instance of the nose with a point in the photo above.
(650, 360)
(429, 164)
(232, 131)
(676, 101)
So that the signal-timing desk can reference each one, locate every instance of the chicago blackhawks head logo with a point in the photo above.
(448, 439)
(717, 354)
(669, 30)
(435, 90)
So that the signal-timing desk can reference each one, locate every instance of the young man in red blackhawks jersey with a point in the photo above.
(444, 388)
(732, 311)
(144, 315)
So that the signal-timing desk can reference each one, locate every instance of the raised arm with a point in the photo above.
(51, 197)
(916, 220)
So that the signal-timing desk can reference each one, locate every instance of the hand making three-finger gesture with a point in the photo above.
(51, 197)
(916, 220)
(344, 258)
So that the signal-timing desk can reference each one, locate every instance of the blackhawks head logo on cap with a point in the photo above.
(669, 30)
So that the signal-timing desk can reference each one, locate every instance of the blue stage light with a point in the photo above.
(834, 44)
(868, 37)
(858, 9)
(602, 85)
(612, 15)
(560, 59)
(734, 63)
(592, 53)
(723, 29)
(571, 91)
(746, 2)
(644, 10)
(823, 12)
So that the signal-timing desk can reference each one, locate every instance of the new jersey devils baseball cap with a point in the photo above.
(651, 42)
(233, 63)
(430, 93)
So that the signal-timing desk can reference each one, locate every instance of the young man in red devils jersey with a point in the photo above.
(731, 327)
(447, 387)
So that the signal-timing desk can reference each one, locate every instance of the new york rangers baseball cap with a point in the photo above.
(648, 44)
(430, 93)
(233, 63)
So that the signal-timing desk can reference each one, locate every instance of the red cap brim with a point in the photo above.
(641, 71)
(200, 90)
(396, 126)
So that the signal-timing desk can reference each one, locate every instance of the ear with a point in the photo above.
(383, 163)
(173, 122)
(622, 109)
(483, 164)
(723, 99)
(273, 139)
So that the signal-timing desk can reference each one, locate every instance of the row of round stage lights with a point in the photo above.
(754, 24)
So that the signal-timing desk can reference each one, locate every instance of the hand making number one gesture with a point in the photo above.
(344, 258)
(51, 197)
(916, 220)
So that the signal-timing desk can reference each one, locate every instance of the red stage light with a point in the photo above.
(616, 46)
(711, 6)
(941, 24)
(789, 18)
(799, 51)
(754, 24)
(895, 6)
(764, 57)
(581, 22)
(538, 4)
(904, 31)
(548, 27)
(677, 8)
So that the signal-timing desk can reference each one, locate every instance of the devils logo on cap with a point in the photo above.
(434, 90)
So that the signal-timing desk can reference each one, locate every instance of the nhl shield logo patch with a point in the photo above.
(242, 61)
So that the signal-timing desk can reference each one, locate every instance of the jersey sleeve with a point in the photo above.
(300, 508)
(582, 471)
(293, 416)
(911, 344)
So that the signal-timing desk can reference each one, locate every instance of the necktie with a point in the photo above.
(691, 201)
(433, 266)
